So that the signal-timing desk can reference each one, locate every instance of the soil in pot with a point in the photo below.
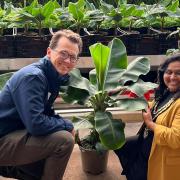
(94, 162)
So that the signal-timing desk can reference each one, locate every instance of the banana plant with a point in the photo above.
(78, 12)
(38, 14)
(111, 72)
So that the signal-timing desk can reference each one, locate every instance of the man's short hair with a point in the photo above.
(72, 36)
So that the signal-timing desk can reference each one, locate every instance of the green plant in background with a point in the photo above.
(38, 14)
(111, 72)
(95, 16)
(174, 51)
(3, 24)
(78, 12)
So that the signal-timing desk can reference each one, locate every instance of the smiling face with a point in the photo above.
(172, 76)
(64, 56)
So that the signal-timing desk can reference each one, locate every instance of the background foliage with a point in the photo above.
(95, 2)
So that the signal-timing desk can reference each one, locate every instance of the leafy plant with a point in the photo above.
(78, 12)
(37, 13)
(111, 72)
(174, 51)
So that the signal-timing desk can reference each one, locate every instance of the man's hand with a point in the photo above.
(148, 119)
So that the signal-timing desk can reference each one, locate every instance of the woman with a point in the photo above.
(155, 152)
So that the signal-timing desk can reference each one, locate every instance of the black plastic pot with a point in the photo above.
(148, 44)
(7, 48)
(93, 162)
(88, 40)
(167, 43)
(31, 46)
(131, 43)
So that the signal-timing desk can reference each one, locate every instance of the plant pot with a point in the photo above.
(148, 44)
(31, 46)
(7, 47)
(94, 162)
(131, 42)
(167, 43)
(88, 40)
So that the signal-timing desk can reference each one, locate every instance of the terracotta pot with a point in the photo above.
(93, 162)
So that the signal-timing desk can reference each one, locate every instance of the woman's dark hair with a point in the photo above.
(162, 89)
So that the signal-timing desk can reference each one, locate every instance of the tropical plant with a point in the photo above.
(78, 12)
(174, 51)
(38, 14)
(111, 72)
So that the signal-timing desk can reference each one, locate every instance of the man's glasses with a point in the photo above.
(63, 55)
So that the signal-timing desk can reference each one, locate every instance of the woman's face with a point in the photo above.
(172, 76)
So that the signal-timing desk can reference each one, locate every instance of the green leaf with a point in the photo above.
(111, 131)
(139, 66)
(173, 7)
(99, 54)
(107, 8)
(4, 78)
(141, 87)
(48, 9)
(109, 62)
(81, 123)
(76, 9)
(78, 89)
(132, 104)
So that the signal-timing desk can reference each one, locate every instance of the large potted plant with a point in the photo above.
(111, 72)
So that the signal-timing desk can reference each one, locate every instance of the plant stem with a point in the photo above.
(63, 3)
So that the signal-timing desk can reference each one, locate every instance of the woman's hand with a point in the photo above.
(148, 119)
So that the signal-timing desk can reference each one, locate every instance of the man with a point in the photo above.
(30, 133)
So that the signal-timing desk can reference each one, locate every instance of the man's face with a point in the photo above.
(64, 56)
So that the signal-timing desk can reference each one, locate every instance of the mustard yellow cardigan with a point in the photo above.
(164, 159)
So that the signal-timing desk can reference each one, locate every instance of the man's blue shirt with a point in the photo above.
(27, 98)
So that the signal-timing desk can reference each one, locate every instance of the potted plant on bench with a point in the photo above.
(111, 72)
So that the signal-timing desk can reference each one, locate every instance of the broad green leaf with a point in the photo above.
(48, 9)
(76, 9)
(107, 8)
(100, 54)
(90, 6)
(81, 123)
(4, 78)
(117, 63)
(78, 89)
(139, 66)
(141, 87)
(173, 7)
(111, 131)
(132, 104)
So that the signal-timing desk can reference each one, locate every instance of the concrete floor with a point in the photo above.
(74, 169)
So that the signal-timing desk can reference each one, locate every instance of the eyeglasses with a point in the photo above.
(63, 55)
